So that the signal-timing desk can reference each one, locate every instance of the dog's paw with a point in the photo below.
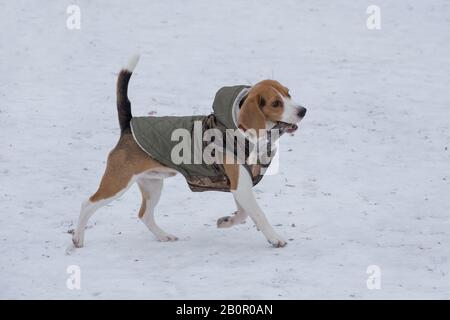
(277, 242)
(77, 241)
(167, 238)
(225, 222)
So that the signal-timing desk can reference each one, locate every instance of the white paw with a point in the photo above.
(166, 238)
(78, 241)
(277, 242)
(225, 222)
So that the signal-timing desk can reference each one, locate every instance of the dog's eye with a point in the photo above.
(276, 104)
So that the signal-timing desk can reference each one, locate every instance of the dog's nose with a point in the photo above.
(301, 112)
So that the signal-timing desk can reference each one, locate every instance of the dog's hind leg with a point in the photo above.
(116, 180)
(238, 217)
(88, 208)
(151, 192)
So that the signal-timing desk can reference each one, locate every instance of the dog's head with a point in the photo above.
(269, 105)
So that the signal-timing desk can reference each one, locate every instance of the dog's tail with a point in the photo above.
(123, 104)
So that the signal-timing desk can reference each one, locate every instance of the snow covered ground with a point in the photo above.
(365, 181)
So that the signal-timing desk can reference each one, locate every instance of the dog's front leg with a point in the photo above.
(245, 197)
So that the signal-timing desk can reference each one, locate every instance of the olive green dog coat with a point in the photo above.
(153, 135)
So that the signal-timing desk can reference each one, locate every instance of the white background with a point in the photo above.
(365, 180)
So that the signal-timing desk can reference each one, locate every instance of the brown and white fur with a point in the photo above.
(266, 103)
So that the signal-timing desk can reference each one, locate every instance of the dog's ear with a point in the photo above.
(251, 115)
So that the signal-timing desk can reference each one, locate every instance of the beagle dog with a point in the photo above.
(265, 105)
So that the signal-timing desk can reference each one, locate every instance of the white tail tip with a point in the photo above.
(132, 63)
